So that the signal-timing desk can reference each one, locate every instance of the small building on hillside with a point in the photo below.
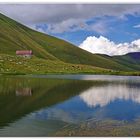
(24, 53)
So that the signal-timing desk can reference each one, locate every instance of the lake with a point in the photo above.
(70, 105)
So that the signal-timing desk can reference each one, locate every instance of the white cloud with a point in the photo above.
(99, 27)
(71, 25)
(103, 45)
(66, 25)
(137, 26)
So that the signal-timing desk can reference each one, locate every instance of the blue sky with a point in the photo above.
(89, 26)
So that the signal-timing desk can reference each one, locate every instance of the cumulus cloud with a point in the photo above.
(102, 45)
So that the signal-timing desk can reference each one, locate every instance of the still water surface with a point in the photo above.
(65, 105)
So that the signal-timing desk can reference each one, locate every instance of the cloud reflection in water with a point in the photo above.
(102, 96)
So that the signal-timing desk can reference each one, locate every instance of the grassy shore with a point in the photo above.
(13, 65)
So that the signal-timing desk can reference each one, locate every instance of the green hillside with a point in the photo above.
(129, 60)
(48, 50)
(14, 37)
(69, 53)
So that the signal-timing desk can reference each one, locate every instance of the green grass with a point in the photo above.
(14, 65)
(17, 65)
(129, 60)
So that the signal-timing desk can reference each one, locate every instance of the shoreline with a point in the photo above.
(78, 73)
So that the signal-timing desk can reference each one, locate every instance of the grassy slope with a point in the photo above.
(49, 51)
(17, 65)
(130, 59)
(13, 37)
(69, 53)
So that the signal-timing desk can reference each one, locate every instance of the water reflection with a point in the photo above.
(20, 96)
(42, 106)
(103, 95)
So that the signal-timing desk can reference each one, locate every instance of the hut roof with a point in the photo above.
(24, 52)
